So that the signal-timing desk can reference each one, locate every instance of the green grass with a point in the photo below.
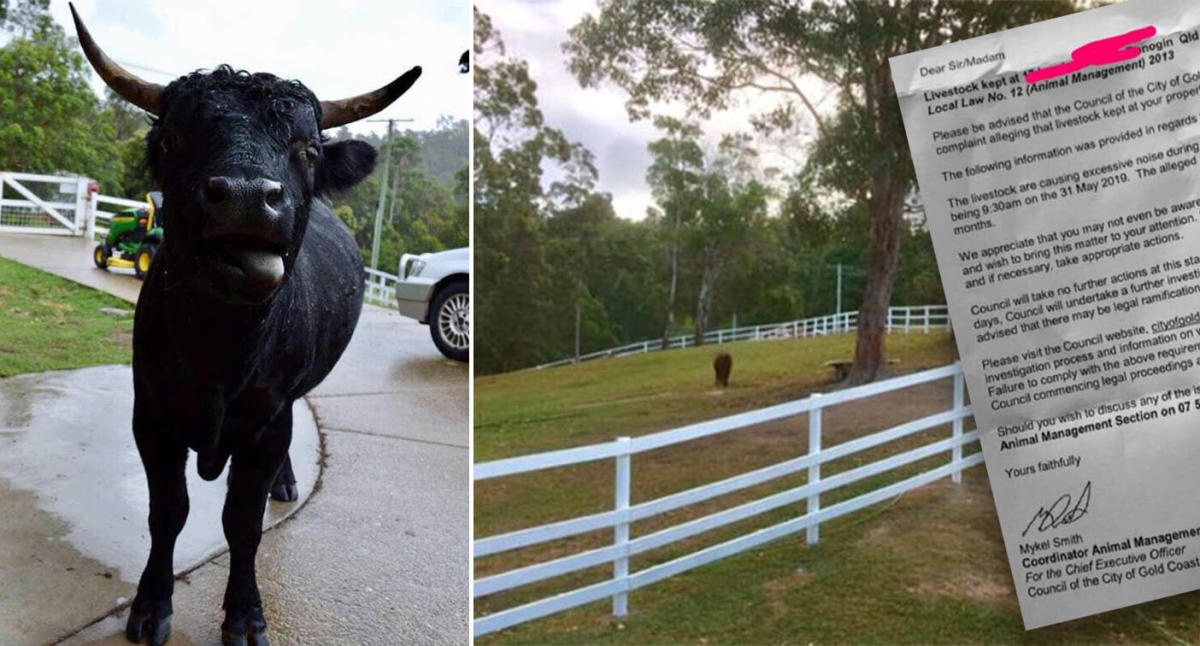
(927, 567)
(50, 323)
(538, 410)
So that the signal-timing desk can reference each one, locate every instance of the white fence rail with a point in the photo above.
(904, 318)
(622, 450)
(381, 288)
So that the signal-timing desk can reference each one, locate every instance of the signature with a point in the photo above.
(1061, 512)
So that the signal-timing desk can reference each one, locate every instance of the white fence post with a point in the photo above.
(926, 319)
(81, 204)
(907, 319)
(621, 530)
(957, 452)
(90, 227)
(813, 532)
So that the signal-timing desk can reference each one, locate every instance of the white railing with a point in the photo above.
(381, 288)
(624, 546)
(99, 230)
(903, 318)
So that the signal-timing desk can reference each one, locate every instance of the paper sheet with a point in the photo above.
(1065, 216)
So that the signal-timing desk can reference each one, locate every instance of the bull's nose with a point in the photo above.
(232, 193)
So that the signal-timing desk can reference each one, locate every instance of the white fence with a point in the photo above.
(905, 318)
(623, 546)
(381, 288)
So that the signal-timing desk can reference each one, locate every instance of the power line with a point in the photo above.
(148, 69)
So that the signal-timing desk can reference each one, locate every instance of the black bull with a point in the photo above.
(237, 318)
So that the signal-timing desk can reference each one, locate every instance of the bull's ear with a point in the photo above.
(344, 164)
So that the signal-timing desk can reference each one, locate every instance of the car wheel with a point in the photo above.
(450, 321)
(145, 256)
(100, 256)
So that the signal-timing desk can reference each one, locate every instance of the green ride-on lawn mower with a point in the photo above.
(133, 237)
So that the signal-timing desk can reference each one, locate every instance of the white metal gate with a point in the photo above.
(56, 205)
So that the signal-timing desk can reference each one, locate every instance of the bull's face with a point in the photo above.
(240, 158)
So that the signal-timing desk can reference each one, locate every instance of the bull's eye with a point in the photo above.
(308, 154)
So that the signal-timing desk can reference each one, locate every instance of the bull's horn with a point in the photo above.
(339, 113)
(143, 94)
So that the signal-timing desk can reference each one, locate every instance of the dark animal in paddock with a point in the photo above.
(252, 298)
(722, 366)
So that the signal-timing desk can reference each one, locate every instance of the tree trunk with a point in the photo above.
(885, 209)
(666, 338)
(708, 289)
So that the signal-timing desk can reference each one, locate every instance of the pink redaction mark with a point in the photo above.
(1105, 51)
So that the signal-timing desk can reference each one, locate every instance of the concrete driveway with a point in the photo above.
(378, 554)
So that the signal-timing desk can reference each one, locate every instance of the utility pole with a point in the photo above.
(383, 184)
(577, 320)
(839, 289)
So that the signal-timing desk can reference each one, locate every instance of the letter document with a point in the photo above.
(1065, 216)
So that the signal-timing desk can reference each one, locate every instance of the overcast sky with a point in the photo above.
(337, 48)
(534, 30)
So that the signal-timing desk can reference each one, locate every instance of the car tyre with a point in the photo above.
(450, 320)
(143, 260)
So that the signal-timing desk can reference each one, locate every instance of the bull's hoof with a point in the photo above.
(285, 492)
(151, 620)
(244, 628)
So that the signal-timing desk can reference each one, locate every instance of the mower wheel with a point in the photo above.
(100, 256)
(145, 256)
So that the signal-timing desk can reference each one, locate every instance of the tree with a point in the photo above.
(674, 179)
(512, 142)
(26, 18)
(707, 55)
(48, 114)
(127, 119)
(423, 212)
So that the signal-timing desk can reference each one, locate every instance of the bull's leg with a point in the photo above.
(164, 460)
(252, 472)
(284, 489)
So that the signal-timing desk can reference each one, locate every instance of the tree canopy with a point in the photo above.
(742, 252)
(709, 56)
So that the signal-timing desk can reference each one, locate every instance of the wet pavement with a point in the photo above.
(71, 258)
(73, 516)
(377, 554)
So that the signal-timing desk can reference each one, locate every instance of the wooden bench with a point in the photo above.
(841, 367)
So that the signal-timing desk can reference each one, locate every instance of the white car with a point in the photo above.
(434, 288)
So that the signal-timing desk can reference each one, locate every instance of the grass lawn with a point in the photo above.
(50, 323)
(927, 567)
